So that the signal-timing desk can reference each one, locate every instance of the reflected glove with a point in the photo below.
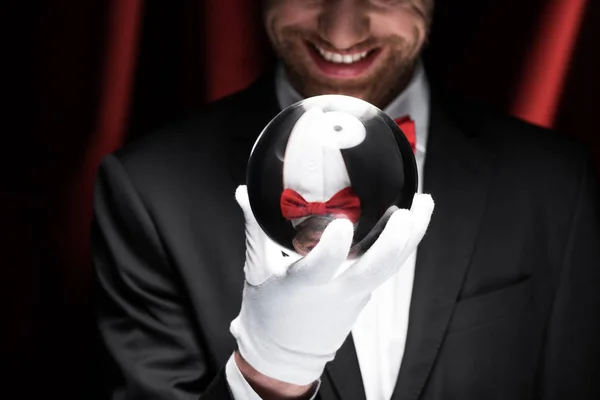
(297, 311)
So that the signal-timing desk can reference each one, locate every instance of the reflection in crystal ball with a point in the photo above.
(329, 157)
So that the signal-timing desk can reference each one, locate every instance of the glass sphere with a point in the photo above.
(329, 157)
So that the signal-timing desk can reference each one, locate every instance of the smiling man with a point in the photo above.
(365, 49)
(493, 296)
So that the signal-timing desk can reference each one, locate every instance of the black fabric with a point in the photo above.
(505, 302)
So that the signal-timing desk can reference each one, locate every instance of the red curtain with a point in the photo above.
(539, 90)
(114, 70)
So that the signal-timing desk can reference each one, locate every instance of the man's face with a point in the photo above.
(361, 48)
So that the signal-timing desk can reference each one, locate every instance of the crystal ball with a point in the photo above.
(328, 157)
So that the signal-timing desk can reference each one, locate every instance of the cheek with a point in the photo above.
(402, 24)
(290, 14)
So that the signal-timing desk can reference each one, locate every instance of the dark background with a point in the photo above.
(111, 71)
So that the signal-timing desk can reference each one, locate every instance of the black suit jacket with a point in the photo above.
(506, 293)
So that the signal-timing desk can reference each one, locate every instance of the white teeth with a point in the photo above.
(341, 58)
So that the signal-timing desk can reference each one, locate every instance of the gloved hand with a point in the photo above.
(297, 312)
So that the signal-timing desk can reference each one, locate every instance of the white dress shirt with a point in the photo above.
(379, 333)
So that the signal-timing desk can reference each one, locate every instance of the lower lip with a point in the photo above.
(342, 70)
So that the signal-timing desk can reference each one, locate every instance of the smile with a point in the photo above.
(342, 64)
(341, 58)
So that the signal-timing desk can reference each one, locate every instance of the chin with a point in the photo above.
(372, 87)
(314, 84)
(317, 89)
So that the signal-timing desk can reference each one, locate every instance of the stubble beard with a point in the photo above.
(379, 87)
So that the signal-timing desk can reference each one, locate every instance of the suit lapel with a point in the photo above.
(252, 111)
(344, 373)
(457, 173)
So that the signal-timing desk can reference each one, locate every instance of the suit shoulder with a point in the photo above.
(198, 129)
(202, 148)
(512, 137)
(201, 133)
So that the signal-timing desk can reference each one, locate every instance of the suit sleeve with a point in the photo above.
(144, 324)
(571, 364)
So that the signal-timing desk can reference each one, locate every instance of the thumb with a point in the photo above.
(422, 210)
(322, 263)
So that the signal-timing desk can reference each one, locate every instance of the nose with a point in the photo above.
(344, 23)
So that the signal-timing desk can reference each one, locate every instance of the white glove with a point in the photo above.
(297, 312)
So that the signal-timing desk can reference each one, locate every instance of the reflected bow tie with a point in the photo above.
(407, 125)
(294, 206)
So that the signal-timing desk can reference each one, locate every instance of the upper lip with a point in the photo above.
(352, 51)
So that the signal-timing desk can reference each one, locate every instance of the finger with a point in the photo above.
(255, 237)
(256, 268)
(324, 260)
(254, 233)
(385, 256)
(241, 196)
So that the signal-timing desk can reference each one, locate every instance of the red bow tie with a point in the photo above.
(408, 127)
(293, 205)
